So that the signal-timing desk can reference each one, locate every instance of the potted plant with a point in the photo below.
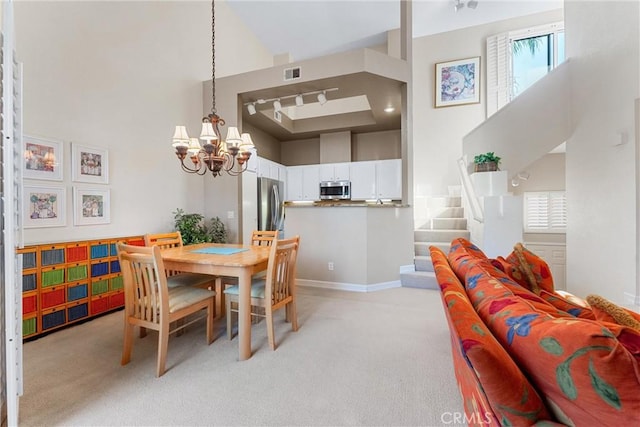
(486, 162)
(193, 228)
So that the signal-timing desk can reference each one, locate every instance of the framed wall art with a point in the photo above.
(91, 206)
(458, 82)
(43, 159)
(44, 206)
(89, 164)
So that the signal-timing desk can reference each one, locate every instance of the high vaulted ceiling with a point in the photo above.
(307, 29)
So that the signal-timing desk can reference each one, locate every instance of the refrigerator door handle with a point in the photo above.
(279, 211)
(275, 212)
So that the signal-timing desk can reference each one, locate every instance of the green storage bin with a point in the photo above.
(99, 287)
(29, 326)
(116, 283)
(79, 272)
(52, 278)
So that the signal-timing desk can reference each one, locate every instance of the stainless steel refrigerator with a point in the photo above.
(271, 205)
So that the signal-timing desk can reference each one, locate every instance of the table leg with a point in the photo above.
(244, 315)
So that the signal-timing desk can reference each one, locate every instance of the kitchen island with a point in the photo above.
(351, 245)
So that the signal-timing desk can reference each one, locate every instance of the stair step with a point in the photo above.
(446, 224)
(419, 279)
(444, 202)
(422, 248)
(439, 235)
(423, 263)
(446, 212)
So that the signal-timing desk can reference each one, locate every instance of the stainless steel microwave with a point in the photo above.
(335, 190)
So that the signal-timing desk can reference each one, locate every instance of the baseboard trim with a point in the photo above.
(351, 287)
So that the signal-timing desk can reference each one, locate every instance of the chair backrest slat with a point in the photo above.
(263, 237)
(165, 241)
(281, 269)
(146, 292)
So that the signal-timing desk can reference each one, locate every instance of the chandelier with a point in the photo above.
(215, 155)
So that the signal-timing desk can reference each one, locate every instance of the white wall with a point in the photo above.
(120, 76)
(602, 38)
(437, 133)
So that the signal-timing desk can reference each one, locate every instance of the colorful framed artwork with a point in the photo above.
(44, 206)
(89, 164)
(458, 82)
(91, 206)
(42, 159)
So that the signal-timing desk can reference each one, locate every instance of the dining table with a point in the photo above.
(241, 261)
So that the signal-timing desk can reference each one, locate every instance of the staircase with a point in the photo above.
(447, 223)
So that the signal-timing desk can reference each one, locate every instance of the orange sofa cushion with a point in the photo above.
(461, 256)
(586, 375)
(511, 396)
(533, 268)
(567, 305)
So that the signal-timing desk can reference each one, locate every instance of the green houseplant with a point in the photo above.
(486, 162)
(194, 229)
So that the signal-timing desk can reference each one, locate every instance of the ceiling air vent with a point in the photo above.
(292, 73)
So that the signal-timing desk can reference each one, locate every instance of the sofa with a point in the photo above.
(526, 354)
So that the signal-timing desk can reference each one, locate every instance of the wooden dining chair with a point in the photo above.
(277, 290)
(263, 237)
(177, 278)
(151, 304)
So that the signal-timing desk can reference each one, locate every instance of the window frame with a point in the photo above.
(551, 218)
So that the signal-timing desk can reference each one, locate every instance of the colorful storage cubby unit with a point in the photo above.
(64, 283)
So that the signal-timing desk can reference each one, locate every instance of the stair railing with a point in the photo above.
(469, 190)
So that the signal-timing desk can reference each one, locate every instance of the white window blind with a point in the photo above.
(545, 212)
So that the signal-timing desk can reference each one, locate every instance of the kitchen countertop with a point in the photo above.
(344, 204)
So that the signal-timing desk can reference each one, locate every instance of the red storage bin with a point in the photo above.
(54, 297)
(99, 305)
(116, 300)
(29, 304)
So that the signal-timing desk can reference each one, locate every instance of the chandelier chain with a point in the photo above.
(213, 57)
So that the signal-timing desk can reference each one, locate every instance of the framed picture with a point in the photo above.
(44, 206)
(42, 159)
(458, 82)
(91, 206)
(89, 164)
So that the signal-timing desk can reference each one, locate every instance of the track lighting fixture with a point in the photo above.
(253, 106)
(322, 98)
(458, 4)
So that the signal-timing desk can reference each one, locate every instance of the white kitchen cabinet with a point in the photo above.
(269, 169)
(389, 179)
(379, 179)
(303, 183)
(335, 171)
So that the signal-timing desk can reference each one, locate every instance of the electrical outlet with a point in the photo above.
(330, 266)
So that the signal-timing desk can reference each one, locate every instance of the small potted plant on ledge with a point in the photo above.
(487, 162)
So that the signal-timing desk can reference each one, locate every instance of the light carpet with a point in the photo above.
(379, 358)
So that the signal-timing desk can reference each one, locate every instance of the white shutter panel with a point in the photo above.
(558, 211)
(536, 212)
(498, 72)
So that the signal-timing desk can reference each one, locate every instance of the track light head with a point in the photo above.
(251, 108)
(472, 4)
(277, 106)
(299, 100)
(459, 5)
(322, 98)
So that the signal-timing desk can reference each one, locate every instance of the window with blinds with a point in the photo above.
(517, 59)
(545, 212)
